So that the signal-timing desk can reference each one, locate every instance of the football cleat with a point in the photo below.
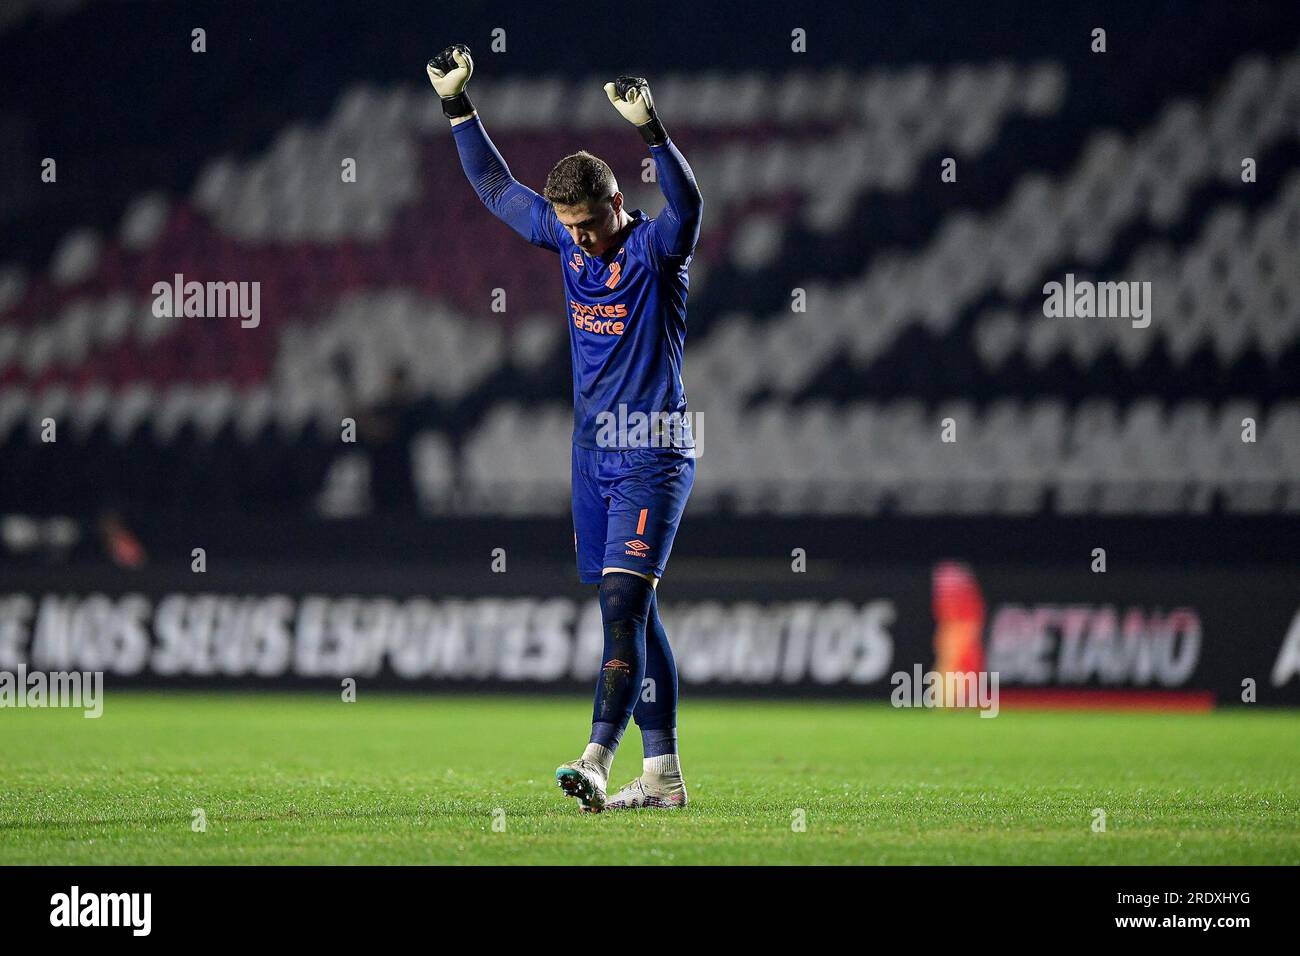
(585, 781)
(654, 793)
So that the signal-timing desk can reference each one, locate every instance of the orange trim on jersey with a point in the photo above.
(640, 525)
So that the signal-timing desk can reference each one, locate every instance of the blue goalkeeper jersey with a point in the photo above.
(627, 329)
(626, 310)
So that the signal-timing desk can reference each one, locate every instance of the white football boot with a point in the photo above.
(584, 779)
(650, 792)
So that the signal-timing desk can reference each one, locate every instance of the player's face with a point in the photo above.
(592, 225)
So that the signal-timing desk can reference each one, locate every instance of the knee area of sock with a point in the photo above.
(624, 597)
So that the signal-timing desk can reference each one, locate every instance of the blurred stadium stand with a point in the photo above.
(923, 299)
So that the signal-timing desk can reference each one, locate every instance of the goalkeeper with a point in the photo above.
(625, 281)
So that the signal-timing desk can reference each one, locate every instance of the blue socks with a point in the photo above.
(657, 716)
(625, 601)
(638, 677)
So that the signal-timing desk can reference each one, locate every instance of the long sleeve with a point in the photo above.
(677, 228)
(519, 207)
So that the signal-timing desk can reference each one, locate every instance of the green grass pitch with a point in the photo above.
(306, 778)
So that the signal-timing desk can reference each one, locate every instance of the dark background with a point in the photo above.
(113, 91)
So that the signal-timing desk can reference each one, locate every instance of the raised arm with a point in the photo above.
(675, 230)
(519, 207)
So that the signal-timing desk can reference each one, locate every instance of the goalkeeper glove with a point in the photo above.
(449, 71)
(631, 97)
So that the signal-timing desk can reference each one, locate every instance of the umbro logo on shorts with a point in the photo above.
(637, 548)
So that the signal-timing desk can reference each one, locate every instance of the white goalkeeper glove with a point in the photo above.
(631, 97)
(449, 71)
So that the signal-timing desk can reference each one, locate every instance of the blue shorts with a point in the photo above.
(626, 507)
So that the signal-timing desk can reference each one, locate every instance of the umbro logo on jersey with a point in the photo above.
(615, 273)
(615, 268)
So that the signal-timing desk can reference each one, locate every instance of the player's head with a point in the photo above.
(584, 192)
